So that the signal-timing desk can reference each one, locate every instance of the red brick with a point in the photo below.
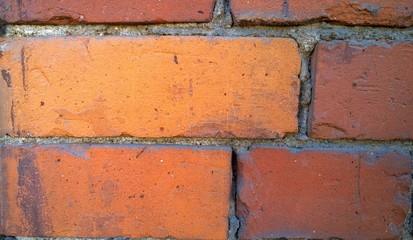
(314, 193)
(108, 11)
(362, 90)
(150, 87)
(113, 190)
(295, 12)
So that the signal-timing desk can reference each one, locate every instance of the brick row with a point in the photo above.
(150, 190)
(268, 12)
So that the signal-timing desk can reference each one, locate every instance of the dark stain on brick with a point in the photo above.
(349, 53)
(23, 63)
(19, 5)
(373, 9)
(175, 59)
(30, 195)
(64, 20)
(20, 10)
(6, 77)
(12, 118)
(285, 8)
(3, 187)
(139, 153)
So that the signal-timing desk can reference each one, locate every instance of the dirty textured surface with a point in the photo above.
(294, 12)
(99, 11)
(320, 193)
(87, 191)
(362, 90)
(153, 86)
(307, 36)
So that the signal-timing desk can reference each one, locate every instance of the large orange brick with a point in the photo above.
(115, 190)
(150, 86)
(362, 90)
(318, 194)
(105, 11)
(295, 12)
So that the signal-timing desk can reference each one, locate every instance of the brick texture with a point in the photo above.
(293, 12)
(310, 193)
(111, 191)
(86, 104)
(150, 87)
(108, 11)
(362, 90)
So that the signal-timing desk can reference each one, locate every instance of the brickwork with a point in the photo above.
(225, 119)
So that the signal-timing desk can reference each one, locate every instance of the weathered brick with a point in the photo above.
(293, 12)
(115, 190)
(150, 86)
(362, 90)
(315, 193)
(108, 11)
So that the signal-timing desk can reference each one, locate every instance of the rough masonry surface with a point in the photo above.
(397, 13)
(115, 190)
(150, 87)
(362, 90)
(99, 11)
(307, 104)
(322, 193)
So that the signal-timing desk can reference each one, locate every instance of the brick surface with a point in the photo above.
(294, 12)
(349, 194)
(108, 11)
(115, 191)
(362, 90)
(150, 87)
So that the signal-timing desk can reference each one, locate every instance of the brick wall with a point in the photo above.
(206, 119)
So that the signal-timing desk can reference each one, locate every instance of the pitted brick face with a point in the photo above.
(151, 87)
(398, 13)
(91, 89)
(362, 90)
(318, 194)
(103, 191)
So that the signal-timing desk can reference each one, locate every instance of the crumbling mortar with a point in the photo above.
(234, 222)
(323, 31)
(221, 15)
(305, 98)
(306, 43)
(291, 141)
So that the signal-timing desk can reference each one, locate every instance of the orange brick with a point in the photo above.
(323, 193)
(150, 86)
(113, 190)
